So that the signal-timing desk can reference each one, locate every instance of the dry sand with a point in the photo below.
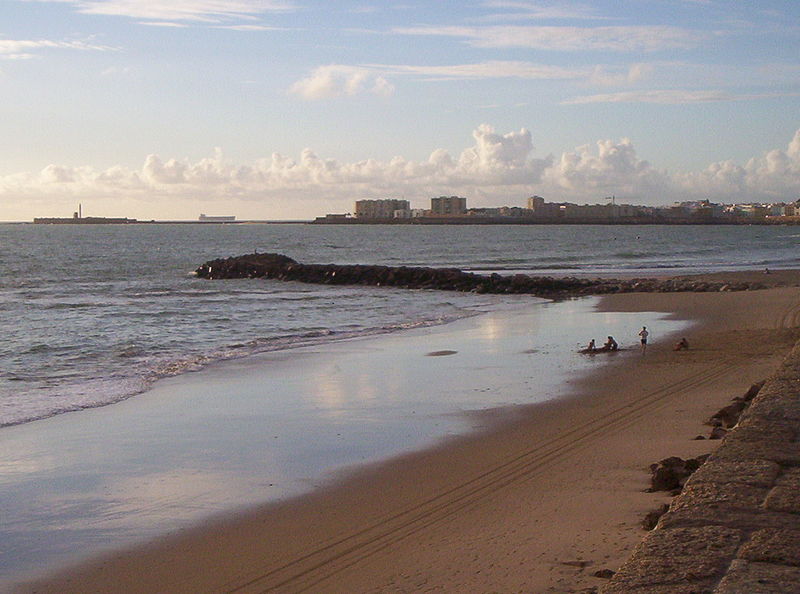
(536, 504)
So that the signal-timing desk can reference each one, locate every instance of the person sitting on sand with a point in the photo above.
(591, 348)
(681, 345)
(611, 344)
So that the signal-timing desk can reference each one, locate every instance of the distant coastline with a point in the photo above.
(452, 210)
(126, 221)
(420, 221)
(467, 220)
(83, 221)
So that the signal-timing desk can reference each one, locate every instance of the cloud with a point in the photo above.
(182, 13)
(572, 39)
(501, 160)
(117, 71)
(250, 28)
(672, 97)
(489, 69)
(165, 24)
(614, 167)
(601, 76)
(773, 176)
(207, 11)
(336, 80)
(498, 168)
(537, 11)
(21, 49)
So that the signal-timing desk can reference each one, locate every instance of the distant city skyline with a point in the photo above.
(286, 109)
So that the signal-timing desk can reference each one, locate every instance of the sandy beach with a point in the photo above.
(536, 503)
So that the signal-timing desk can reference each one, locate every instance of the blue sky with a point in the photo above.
(282, 109)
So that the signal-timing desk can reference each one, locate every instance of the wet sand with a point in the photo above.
(538, 502)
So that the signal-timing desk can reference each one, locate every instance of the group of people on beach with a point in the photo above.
(644, 334)
(610, 345)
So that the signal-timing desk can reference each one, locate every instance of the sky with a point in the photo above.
(290, 109)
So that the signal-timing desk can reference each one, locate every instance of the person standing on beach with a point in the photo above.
(643, 334)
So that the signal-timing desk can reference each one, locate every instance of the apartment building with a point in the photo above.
(389, 208)
(448, 206)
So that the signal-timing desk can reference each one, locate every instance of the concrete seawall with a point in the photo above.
(735, 527)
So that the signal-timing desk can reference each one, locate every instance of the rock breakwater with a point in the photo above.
(280, 267)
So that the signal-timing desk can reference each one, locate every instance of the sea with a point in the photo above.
(94, 314)
(137, 399)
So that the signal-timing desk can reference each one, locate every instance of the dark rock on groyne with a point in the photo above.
(280, 267)
(670, 474)
(728, 417)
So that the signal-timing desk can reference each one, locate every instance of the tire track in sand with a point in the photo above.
(790, 318)
(308, 570)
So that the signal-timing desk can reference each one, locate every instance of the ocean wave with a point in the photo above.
(73, 397)
(310, 338)
(631, 255)
(73, 305)
(44, 348)
(74, 392)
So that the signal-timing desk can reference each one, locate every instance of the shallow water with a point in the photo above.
(276, 425)
(230, 393)
(95, 314)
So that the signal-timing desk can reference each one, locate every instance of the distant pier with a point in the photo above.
(77, 218)
(83, 221)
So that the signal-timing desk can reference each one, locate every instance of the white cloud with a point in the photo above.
(337, 80)
(208, 11)
(18, 49)
(165, 24)
(602, 76)
(497, 168)
(672, 97)
(623, 39)
(250, 28)
(364, 10)
(117, 71)
(614, 168)
(537, 10)
(775, 175)
(489, 69)
(495, 160)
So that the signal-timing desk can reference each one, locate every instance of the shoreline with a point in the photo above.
(273, 426)
(537, 502)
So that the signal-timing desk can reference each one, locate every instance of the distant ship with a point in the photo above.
(216, 219)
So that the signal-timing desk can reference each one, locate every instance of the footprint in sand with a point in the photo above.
(440, 353)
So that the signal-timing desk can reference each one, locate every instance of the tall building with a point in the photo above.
(380, 209)
(535, 203)
(448, 205)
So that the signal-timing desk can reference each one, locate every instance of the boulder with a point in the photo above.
(671, 473)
